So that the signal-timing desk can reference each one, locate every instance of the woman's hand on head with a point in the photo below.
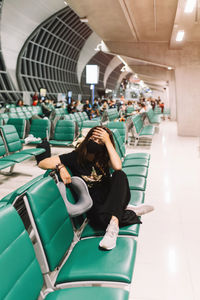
(102, 135)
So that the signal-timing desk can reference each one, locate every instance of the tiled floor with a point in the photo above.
(168, 254)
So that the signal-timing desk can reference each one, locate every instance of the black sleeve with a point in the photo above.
(68, 159)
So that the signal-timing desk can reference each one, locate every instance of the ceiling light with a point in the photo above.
(169, 68)
(180, 35)
(84, 20)
(190, 4)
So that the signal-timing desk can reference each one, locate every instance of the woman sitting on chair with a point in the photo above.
(92, 161)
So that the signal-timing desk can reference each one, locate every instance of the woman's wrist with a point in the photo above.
(59, 167)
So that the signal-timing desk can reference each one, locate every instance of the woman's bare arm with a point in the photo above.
(53, 163)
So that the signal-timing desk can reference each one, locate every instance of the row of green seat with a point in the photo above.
(20, 273)
(153, 117)
(140, 130)
(110, 115)
(11, 148)
(55, 239)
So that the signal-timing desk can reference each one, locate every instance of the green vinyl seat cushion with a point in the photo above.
(89, 293)
(137, 155)
(137, 197)
(89, 263)
(20, 125)
(136, 162)
(20, 274)
(33, 151)
(40, 128)
(64, 133)
(11, 137)
(147, 130)
(17, 157)
(137, 183)
(5, 164)
(60, 143)
(136, 171)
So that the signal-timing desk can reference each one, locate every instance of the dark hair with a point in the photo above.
(101, 158)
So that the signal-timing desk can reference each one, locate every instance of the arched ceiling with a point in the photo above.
(19, 19)
(143, 32)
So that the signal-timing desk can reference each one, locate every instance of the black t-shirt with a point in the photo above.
(98, 183)
(90, 173)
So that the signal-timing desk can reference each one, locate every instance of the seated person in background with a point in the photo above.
(46, 108)
(104, 106)
(87, 107)
(35, 99)
(79, 106)
(95, 107)
(143, 108)
(153, 103)
(122, 110)
(92, 161)
(112, 104)
(71, 107)
(20, 103)
(162, 106)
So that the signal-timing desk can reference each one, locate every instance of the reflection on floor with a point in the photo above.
(167, 263)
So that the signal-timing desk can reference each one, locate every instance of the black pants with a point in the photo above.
(114, 200)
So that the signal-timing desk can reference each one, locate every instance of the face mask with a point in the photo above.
(93, 147)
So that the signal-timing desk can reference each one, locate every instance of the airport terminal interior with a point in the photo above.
(132, 67)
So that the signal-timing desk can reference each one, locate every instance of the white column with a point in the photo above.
(188, 100)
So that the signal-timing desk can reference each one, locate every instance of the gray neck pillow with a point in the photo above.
(84, 202)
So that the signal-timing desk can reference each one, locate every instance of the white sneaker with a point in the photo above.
(110, 238)
(140, 209)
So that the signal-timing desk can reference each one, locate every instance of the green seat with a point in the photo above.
(137, 198)
(147, 130)
(137, 155)
(142, 130)
(13, 115)
(86, 262)
(98, 265)
(20, 125)
(14, 145)
(120, 126)
(89, 293)
(132, 156)
(64, 133)
(5, 117)
(17, 157)
(90, 124)
(85, 116)
(5, 164)
(136, 162)
(20, 273)
(136, 171)
(112, 114)
(137, 183)
(40, 128)
(153, 117)
(129, 109)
